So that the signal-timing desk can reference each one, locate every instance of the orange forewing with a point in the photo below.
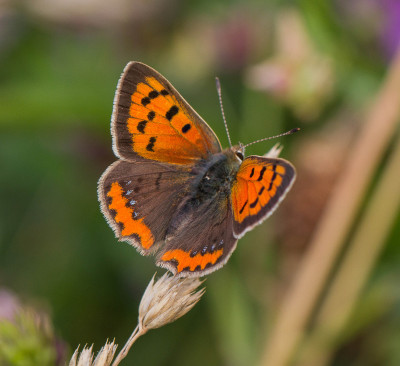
(260, 184)
(153, 121)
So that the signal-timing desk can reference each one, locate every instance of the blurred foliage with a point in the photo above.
(28, 340)
(59, 65)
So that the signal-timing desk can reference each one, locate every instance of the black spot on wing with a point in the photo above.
(164, 92)
(264, 168)
(153, 94)
(151, 115)
(151, 143)
(272, 179)
(186, 128)
(171, 112)
(241, 210)
(145, 101)
(141, 126)
(254, 204)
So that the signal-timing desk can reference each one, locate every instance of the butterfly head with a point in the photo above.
(239, 151)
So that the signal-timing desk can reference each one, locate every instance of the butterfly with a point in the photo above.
(174, 192)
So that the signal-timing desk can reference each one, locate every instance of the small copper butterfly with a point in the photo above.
(174, 192)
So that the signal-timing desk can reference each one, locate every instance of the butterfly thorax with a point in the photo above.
(214, 177)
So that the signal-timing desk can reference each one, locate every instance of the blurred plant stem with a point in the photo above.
(356, 266)
(132, 339)
(336, 222)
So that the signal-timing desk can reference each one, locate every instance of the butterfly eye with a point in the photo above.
(240, 155)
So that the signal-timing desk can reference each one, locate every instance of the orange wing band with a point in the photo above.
(186, 261)
(124, 215)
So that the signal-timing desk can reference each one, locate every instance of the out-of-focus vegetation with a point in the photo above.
(311, 64)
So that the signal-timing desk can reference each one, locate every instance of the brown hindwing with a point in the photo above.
(138, 200)
(200, 239)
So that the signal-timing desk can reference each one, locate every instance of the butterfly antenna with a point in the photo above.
(274, 137)
(218, 84)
